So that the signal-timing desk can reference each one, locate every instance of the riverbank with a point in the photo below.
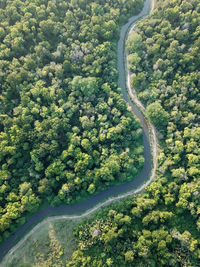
(114, 193)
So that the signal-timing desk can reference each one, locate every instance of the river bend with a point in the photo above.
(113, 193)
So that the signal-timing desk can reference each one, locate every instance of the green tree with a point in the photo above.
(157, 115)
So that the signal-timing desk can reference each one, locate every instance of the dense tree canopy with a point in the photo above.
(65, 131)
(157, 114)
(162, 226)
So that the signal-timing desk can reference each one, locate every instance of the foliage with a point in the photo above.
(160, 227)
(65, 131)
(157, 114)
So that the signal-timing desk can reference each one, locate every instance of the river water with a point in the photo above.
(108, 195)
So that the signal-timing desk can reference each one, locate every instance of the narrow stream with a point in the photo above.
(104, 197)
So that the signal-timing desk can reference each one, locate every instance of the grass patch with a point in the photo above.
(51, 245)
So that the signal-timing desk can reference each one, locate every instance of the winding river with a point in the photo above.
(113, 193)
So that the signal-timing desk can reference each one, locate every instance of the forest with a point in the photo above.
(160, 227)
(65, 130)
